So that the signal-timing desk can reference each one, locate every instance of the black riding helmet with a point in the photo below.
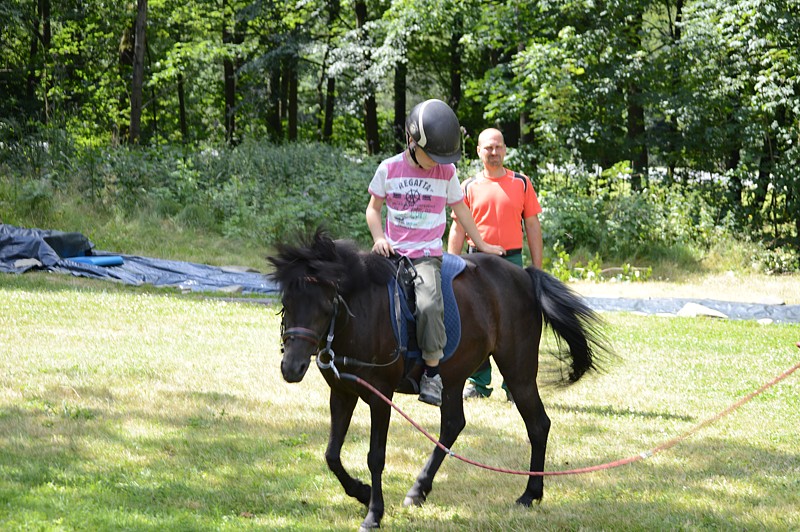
(434, 127)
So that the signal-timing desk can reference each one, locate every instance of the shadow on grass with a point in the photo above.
(145, 470)
(605, 410)
(232, 461)
(107, 469)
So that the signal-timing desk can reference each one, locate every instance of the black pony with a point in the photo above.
(336, 305)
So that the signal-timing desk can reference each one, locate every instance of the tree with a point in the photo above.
(138, 71)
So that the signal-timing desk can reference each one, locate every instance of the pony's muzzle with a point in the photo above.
(295, 362)
(293, 370)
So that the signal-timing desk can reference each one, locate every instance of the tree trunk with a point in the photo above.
(371, 130)
(371, 124)
(455, 62)
(672, 150)
(230, 100)
(229, 74)
(526, 135)
(40, 35)
(138, 72)
(735, 185)
(182, 108)
(321, 95)
(292, 96)
(33, 60)
(400, 87)
(636, 141)
(330, 106)
(125, 66)
(327, 100)
(274, 124)
(765, 166)
(636, 138)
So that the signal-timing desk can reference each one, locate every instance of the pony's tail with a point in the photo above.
(573, 321)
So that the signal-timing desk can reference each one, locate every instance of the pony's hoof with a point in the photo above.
(527, 500)
(417, 500)
(371, 522)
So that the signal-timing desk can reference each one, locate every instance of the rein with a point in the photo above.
(327, 359)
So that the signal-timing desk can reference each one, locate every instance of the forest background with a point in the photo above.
(652, 130)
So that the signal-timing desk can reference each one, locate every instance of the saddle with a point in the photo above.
(403, 301)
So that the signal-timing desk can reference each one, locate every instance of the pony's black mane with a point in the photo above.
(321, 259)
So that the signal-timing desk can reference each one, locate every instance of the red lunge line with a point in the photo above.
(647, 454)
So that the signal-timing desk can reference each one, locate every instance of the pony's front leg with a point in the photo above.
(380, 414)
(342, 406)
(452, 423)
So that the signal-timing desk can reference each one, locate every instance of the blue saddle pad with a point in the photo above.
(452, 265)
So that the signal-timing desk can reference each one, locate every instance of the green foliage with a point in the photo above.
(776, 261)
(263, 193)
(622, 224)
(254, 191)
(678, 87)
(562, 266)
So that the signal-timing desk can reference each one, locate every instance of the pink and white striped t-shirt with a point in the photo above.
(415, 204)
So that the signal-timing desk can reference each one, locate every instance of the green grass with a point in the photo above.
(144, 409)
(148, 234)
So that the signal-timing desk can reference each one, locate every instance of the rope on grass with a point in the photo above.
(609, 465)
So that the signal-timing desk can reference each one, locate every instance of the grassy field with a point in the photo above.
(144, 409)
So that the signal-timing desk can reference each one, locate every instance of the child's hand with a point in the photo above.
(382, 247)
(492, 249)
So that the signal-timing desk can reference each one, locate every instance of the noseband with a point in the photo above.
(302, 333)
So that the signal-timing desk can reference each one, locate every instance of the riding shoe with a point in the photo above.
(430, 390)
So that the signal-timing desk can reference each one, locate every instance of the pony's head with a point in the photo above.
(313, 276)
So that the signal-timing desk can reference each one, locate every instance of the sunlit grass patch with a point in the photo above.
(132, 410)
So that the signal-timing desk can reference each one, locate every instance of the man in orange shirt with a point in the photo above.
(502, 202)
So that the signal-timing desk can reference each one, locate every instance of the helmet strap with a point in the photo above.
(412, 152)
(412, 149)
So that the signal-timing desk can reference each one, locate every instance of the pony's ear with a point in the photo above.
(323, 243)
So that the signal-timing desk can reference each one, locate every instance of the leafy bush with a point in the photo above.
(621, 224)
(572, 221)
(262, 192)
(776, 261)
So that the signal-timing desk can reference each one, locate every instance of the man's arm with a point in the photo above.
(533, 233)
(456, 239)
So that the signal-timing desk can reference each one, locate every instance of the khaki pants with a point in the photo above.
(431, 335)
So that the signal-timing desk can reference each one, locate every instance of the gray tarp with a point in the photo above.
(699, 307)
(24, 249)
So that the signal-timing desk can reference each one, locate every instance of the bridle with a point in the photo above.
(326, 358)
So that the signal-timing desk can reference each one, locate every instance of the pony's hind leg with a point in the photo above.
(342, 407)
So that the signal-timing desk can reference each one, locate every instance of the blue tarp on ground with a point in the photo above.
(24, 249)
(692, 307)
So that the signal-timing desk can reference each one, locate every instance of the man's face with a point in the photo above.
(492, 151)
